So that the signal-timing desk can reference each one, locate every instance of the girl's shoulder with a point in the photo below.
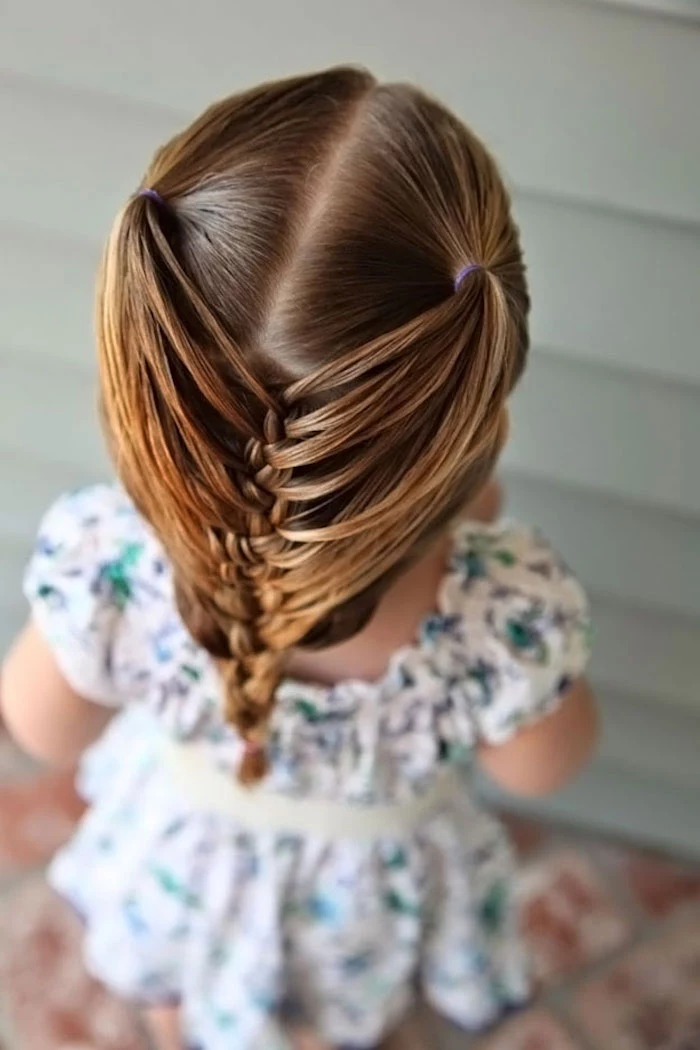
(98, 584)
(96, 516)
(508, 636)
(513, 625)
(510, 561)
(94, 539)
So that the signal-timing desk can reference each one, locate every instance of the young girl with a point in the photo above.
(309, 322)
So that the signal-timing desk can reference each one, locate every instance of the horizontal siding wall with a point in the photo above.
(614, 288)
(592, 109)
(674, 8)
(586, 102)
(609, 429)
(639, 554)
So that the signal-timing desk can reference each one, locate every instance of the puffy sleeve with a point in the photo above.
(524, 628)
(85, 583)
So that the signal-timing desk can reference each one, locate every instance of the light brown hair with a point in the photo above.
(297, 395)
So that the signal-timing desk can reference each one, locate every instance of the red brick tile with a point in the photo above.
(569, 918)
(535, 1030)
(51, 1002)
(659, 885)
(37, 815)
(650, 1000)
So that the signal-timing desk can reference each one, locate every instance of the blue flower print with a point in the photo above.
(439, 625)
(482, 678)
(355, 965)
(323, 908)
(134, 917)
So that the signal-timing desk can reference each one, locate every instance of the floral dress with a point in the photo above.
(192, 907)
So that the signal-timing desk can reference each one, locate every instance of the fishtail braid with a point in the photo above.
(249, 563)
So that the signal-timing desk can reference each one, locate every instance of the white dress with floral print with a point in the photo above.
(187, 906)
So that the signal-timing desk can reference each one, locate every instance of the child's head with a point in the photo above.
(308, 331)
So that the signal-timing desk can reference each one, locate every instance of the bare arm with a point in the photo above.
(47, 718)
(542, 758)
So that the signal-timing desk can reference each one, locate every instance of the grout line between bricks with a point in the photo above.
(644, 930)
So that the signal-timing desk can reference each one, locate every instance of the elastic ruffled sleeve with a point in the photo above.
(84, 584)
(525, 628)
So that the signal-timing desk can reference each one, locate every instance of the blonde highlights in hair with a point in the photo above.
(297, 397)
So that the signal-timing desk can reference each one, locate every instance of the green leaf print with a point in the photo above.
(475, 560)
(526, 639)
(505, 557)
(46, 591)
(397, 860)
(520, 634)
(131, 552)
(224, 1020)
(117, 574)
(308, 710)
(191, 672)
(475, 565)
(481, 675)
(493, 908)
(398, 904)
(166, 880)
(174, 888)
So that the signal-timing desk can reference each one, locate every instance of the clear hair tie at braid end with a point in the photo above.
(464, 273)
(254, 764)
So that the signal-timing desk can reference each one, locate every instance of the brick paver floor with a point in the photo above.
(614, 933)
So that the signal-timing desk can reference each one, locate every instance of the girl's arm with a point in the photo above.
(47, 718)
(542, 758)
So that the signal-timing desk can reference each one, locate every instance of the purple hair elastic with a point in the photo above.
(153, 194)
(464, 272)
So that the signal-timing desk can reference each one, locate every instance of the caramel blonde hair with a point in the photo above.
(297, 393)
